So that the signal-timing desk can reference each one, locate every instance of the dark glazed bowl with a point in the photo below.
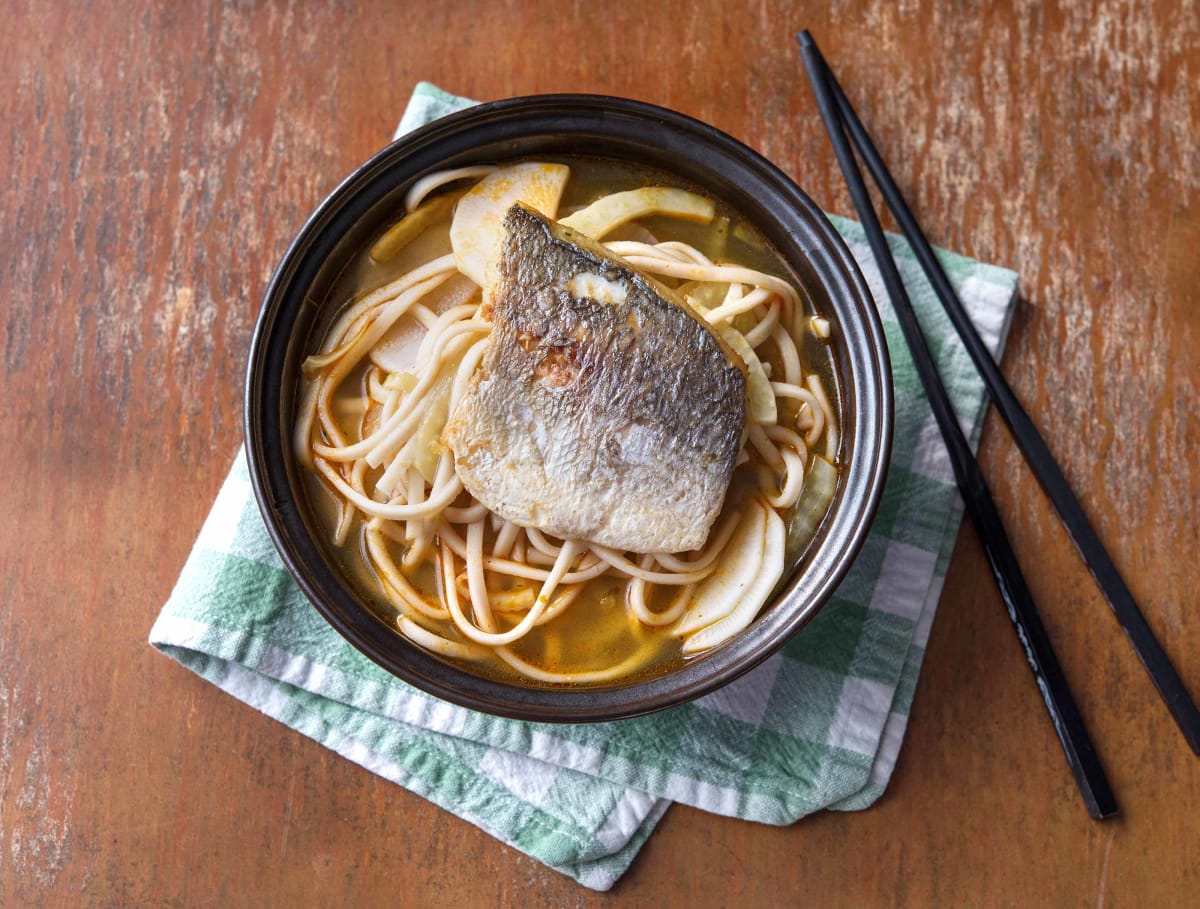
(545, 126)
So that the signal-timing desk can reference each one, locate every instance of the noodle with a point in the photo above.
(377, 448)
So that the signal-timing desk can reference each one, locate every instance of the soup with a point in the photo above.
(578, 465)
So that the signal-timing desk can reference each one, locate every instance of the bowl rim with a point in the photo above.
(797, 221)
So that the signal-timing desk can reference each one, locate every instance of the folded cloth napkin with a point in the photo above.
(819, 725)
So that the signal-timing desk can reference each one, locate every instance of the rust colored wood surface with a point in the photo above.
(156, 159)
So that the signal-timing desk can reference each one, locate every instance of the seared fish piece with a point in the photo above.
(604, 409)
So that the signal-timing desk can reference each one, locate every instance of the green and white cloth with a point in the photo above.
(819, 725)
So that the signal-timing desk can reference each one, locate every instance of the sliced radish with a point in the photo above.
(718, 594)
(610, 212)
(760, 399)
(477, 231)
(750, 598)
(397, 349)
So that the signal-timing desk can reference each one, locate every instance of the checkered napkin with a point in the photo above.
(819, 725)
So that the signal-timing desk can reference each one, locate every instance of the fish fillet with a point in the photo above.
(604, 409)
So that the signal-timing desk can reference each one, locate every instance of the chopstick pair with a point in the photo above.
(839, 118)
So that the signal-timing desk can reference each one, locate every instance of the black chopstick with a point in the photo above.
(1170, 686)
(1068, 724)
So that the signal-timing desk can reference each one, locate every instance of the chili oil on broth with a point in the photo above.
(596, 631)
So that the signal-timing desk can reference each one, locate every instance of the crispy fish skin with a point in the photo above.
(604, 409)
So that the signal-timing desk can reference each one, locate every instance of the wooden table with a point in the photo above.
(156, 159)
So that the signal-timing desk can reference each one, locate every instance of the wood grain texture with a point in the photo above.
(156, 159)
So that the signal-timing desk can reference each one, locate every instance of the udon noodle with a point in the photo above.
(464, 582)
